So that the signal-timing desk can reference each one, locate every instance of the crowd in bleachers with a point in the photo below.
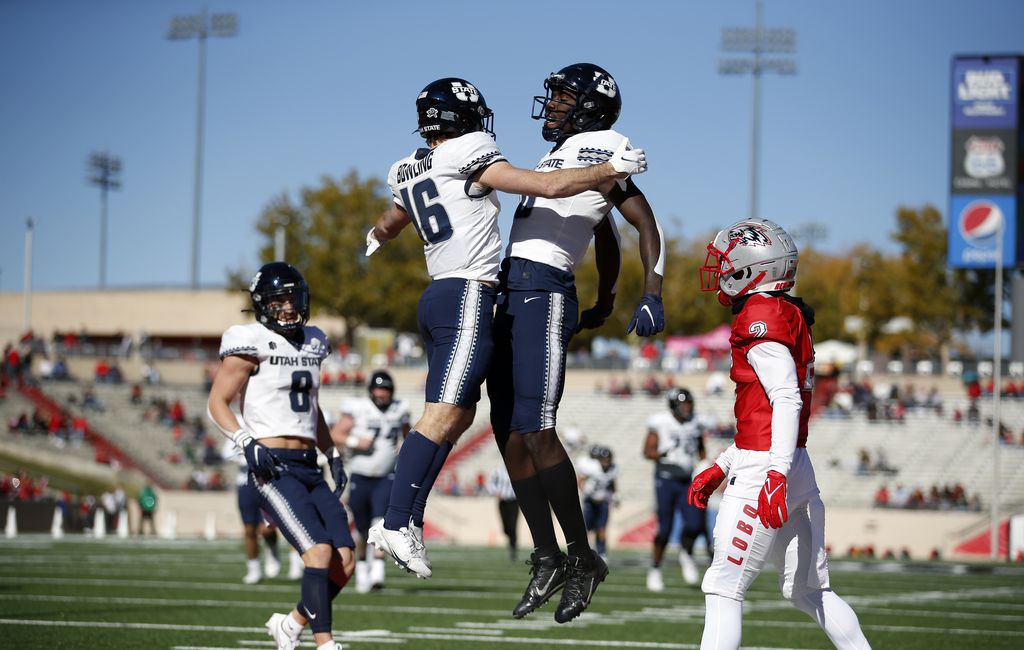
(948, 497)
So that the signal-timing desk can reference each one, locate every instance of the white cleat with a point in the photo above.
(689, 568)
(271, 567)
(295, 566)
(252, 577)
(654, 581)
(362, 577)
(417, 532)
(402, 545)
(377, 573)
(275, 628)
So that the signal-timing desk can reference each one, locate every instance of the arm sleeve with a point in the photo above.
(776, 370)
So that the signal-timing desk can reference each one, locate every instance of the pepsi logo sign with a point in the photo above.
(980, 219)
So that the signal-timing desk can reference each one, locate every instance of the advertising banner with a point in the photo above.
(985, 92)
(974, 224)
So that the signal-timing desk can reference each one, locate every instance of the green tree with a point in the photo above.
(326, 240)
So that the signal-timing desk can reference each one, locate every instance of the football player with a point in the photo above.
(371, 430)
(598, 474)
(538, 315)
(273, 367)
(446, 191)
(771, 506)
(675, 442)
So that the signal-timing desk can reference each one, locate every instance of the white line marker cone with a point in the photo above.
(57, 527)
(11, 530)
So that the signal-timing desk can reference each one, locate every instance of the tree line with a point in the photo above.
(905, 303)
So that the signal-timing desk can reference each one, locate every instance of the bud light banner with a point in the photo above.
(974, 226)
(985, 93)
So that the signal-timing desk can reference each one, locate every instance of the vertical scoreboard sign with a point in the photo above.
(985, 175)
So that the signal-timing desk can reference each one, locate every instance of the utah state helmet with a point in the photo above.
(381, 379)
(597, 106)
(452, 107)
(677, 397)
(279, 279)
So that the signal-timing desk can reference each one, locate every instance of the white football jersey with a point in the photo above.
(557, 232)
(281, 397)
(597, 483)
(384, 428)
(456, 218)
(678, 442)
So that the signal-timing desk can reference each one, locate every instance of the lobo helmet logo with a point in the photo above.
(466, 92)
(980, 220)
(750, 235)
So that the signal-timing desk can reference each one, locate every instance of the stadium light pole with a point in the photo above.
(997, 383)
(200, 27)
(104, 171)
(757, 41)
(27, 294)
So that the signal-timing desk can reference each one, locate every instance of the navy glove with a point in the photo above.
(649, 317)
(261, 460)
(338, 473)
(593, 317)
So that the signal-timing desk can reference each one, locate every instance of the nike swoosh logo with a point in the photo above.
(415, 486)
(526, 300)
(649, 314)
(311, 617)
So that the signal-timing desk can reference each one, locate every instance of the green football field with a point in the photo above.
(81, 593)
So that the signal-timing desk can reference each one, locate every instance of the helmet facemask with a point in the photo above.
(280, 299)
(595, 106)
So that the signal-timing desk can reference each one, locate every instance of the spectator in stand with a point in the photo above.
(147, 506)
(863, 463)
(136, 398)
(177, 412)
(102, 371)
(882, 496)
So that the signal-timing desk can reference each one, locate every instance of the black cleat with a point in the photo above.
(583, 575)
(548, 577)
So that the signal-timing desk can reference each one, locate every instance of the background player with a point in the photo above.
(253, 526)
(771, 505)
(538, 315)
(273, 366)
(447, 192)
(675, 442)
(598, 474)
(371, 430)
(499, 485)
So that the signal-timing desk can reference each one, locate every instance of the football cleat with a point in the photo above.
(376, 575)
(252, 577)
(271, 567)
(362, 577)
(275, 628)
(417, 532)
(583, 575)
(654, 580)
(548, 578)
(689, 568)
(401, 545)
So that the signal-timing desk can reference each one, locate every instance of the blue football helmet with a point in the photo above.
(274, 280)
(452, 107)
(596, 106)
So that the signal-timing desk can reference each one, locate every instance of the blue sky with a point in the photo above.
(317, 88)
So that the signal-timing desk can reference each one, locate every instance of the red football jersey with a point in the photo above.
(768, 318)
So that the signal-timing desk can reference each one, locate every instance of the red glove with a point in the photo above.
(704, 485)
(771, 503)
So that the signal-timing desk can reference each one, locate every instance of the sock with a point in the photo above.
(414, 460)
(723, 623)
(559, 484)
(292, 627)
(330, 645)
(316, 600)
(534, 505)
(835, 617)
(419, 506)
(252, 566)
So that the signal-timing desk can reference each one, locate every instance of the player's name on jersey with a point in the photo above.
(295, 361)
(407, 171)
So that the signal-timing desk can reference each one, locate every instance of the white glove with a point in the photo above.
(629, 161)
(372, 243)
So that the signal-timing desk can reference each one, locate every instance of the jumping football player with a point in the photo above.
(538, 313)
(771, 505)
(447, 192)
